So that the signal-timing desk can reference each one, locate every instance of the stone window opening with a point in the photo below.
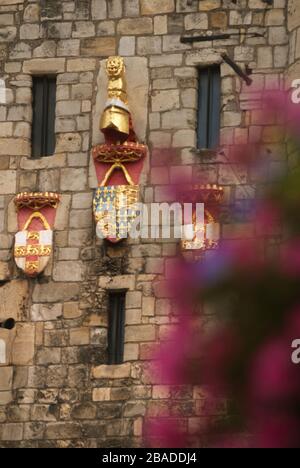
(116, 326)
(209, 101)
(43, 123)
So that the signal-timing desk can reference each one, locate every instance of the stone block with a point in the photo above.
(207, 5)
(20, 51)
(101, 394)
(82, 200)
(46, 50)
(99, 47)
(160, 25)
(133, 299)
(196, 21)
(133, 316)
(6, 378)
(81, 219)
(99, 9)
(156, 7)
(57, 160)
(276, 17)
(84, 411)
(46, 312)
(47, 65)
(47, 356)
(82, 64)
(161, 392)
(13, 296)
(134, 408)
(136, 333)
(135, 26)
(79, 336)
(68, 108)
(4, 271)
(165, 100)
(131, 352)
(219, 20)
(29, 31)
(23, 346)
(12, 432)
(63, 431)
(71, 310)
(55, 292)
(6, 19)
(13, 147)
(148, 45)
(84, 29)
(32, 14)
(171, 60)
(278, 35)
(73, 179)
(59, 30)
(68, 271)
(43, 413)
(121, 371)
(62, 213)
(127, 46)
(5, 399)
(118, 282)
(68, 48)
(82, 91)
(148, 306)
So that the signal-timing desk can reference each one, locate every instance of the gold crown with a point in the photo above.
(209, 193)
(127, 152)
(36, 200)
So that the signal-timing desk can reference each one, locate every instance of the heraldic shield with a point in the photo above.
(115, 209)
(34, 241)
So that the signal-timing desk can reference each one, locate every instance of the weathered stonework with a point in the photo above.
(56, 389)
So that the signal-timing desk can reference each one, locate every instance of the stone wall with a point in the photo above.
(55, 386)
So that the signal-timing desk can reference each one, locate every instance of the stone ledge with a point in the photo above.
(47, 162)
(48, 65)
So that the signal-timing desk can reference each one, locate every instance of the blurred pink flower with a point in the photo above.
(165, 433)
(275, 390)
(267, 217)
(290, 258)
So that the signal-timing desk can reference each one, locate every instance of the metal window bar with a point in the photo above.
(43, 124)
(208, 131)
(116, 327)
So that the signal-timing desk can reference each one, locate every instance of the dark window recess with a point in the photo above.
(116, 327)
(43, 125)
(209, 97)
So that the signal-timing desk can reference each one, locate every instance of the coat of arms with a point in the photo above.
(202, 234)
(118, 162)
(34, 241)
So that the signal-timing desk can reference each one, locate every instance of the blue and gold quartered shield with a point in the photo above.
(115, 209)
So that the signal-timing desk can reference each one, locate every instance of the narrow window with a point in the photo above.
(116, 327)
(208, 131)
(43, 125)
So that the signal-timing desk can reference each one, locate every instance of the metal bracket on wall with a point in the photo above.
(216, 37)
(238, 70)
